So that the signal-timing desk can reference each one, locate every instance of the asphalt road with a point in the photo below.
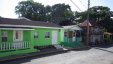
(95, 55)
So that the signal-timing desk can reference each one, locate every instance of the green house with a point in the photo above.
(20, 36)
(72, 36)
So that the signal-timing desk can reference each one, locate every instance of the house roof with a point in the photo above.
(72, 27)
(26, 22)
(108, 33)
(85, 23)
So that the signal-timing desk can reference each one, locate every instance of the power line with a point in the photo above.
(75, 5)
(82, 4)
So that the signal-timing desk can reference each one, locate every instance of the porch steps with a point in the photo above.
(58, 46)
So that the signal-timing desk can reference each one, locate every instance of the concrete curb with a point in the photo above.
(11, 58)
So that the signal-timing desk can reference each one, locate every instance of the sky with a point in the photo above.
(7, 7)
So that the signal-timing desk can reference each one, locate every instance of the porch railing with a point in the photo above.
(14, 45)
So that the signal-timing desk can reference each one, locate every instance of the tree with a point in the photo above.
(31, 10)
(48, 10)
(36, 11)
(61, 12)
(99, 15)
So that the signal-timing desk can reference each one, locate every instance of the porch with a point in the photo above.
(8, 46)
(70, 43)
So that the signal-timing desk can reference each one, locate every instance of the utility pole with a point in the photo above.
(87, 35)
(88, 4)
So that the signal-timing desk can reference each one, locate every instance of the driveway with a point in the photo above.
(94, 55)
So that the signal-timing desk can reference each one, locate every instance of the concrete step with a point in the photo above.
(58, 46)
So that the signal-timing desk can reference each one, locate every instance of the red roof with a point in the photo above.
(85, 23)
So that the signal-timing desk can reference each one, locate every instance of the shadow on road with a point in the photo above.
(103, 45)
(106, 46)
(104, 50)
(28, 59)
(81, 49)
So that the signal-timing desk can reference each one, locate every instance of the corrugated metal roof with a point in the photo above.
(72, 27)
(85, 23)
(27, 22)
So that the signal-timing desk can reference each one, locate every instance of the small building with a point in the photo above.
(19, 36)
(72, 36)
(86, 36)
(95, 33)
(96, 36)
(108, 38)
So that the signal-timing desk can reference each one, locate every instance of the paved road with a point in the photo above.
(91, 56)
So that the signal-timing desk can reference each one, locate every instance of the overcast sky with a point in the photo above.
(7, 7)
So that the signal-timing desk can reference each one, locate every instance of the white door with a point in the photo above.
(54, 37)
(74, 36)
(74, 39)
(17, 35)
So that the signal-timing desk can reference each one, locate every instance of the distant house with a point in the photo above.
(84, 26)
(72, 36)
(20, 36)
(95, 32)
(96, 35)
(108, 38)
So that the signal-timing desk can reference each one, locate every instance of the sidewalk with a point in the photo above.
(15, 57)
(43, 52)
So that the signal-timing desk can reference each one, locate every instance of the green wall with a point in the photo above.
(42, 41)
(61, 35)
(10, 33)
(27, 36)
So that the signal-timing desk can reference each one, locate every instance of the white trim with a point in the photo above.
(20, 38)
(15, 29)
(72, 27)
(54, 37)
(29, 26)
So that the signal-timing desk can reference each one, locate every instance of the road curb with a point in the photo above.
(11, 58)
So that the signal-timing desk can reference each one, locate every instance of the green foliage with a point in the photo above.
(31, 10)
(48, 11)
(98, 15)
(36, 11)
(61, 12)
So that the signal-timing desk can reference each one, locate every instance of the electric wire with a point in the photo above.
(75, 5)
(82, 4)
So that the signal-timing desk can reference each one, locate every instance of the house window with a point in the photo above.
(77, 33)
(70, 34)
(17, 35)
(105, 36)
(4, 37)
(74, 34)
(65, 34)
(36, 35)
(47, 35)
